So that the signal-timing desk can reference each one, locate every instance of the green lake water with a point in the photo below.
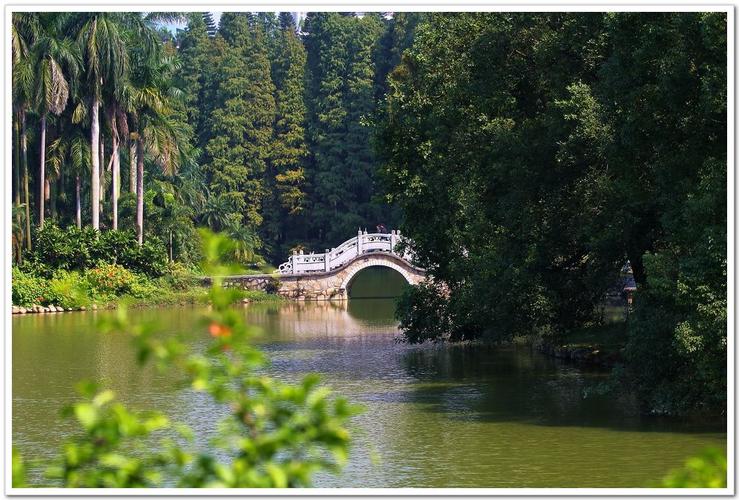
(435, 416)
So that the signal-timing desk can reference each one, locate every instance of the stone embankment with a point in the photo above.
(36, 309)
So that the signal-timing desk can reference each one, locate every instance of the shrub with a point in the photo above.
(144, 288)
(273, 286)
(28, 289)
(69, 290)
(121, 247)
(36, 268)
(81, 249)
(423, 312)
(179, 277)
(63, 248)
(110, 279)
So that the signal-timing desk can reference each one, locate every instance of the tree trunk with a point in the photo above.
(17, 159)
(52, 192)
(78, 201)
(17, 183)
(95, 157)
(103, 169)
(43, 183)
(140, 190)
(24, 163)
(132, 173)
(116, 181)
(17, 171)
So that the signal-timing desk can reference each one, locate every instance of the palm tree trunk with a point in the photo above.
(42, 172)
(103, 168)
(95, 157)
(24, 163)
(78, 201)
(132, 173)
(52, 195)
(140, 190)
(16, 159)
(116, 178)
(17, 173)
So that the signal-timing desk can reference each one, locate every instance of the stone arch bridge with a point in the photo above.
(328, 276)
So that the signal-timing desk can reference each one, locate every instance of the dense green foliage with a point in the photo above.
(81, 249)
(276, 434)
(533, 154)
(706, 470)
(283, 119)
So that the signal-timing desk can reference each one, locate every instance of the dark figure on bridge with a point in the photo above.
(381, 228)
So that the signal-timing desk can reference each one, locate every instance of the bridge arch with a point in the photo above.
(381, 260)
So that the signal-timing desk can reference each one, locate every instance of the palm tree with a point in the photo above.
(73, 150)
(217, 212)
(174, 222)
(100, 36)
(118, 123)
(53, 56)
(24, 30)
(245, 244)
(155, 130)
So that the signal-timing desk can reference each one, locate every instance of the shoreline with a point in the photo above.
(185, 297)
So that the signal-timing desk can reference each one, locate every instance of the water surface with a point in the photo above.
(435, 416)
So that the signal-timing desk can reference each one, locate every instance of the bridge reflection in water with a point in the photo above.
(304, 321)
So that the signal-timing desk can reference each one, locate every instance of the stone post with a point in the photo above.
(392, 241)
(325, 260)
(359, 241)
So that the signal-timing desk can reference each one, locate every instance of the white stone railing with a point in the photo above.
(362, 243)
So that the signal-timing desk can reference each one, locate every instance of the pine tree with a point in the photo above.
(241, 122)
(399, 34)
(360, 104)
(194, 50)
(285, 20)
(210, 24)
(286, 175)
(326, 45)
(340, 88)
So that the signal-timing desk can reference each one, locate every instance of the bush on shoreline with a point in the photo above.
(73, 249)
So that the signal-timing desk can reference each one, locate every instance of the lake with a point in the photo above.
(435, 416)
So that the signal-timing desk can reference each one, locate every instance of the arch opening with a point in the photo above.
(376, 282)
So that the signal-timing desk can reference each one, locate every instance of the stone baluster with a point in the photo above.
(392, 241)
(359, 241)
(325, 260)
